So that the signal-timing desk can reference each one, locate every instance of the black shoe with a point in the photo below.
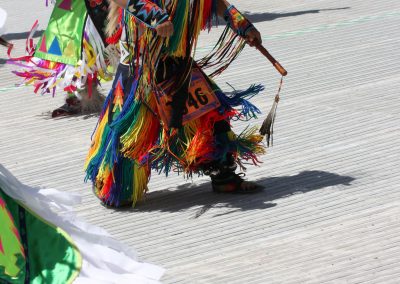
(122, 205)
(72, 106)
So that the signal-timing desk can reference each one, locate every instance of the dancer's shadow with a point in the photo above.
(17, 36)
(187, 196)
(79, 116)
(263, 17)
(22, 35)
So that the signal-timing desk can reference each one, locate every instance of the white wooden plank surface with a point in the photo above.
(330, 211)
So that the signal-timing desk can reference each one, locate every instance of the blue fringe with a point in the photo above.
(240, 99)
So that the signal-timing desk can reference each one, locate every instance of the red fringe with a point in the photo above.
(202, 145)
(114, 39)
(207, 14)
(105, 190)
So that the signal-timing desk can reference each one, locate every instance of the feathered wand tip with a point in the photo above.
(267, 128)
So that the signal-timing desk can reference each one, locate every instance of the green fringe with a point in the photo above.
(179, 21)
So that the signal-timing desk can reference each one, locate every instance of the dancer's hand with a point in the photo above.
(165, 29)
(253, 37)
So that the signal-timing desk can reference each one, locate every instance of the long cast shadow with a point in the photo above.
(188, 195)
(17, 36)
(22, 35)
(263, 17)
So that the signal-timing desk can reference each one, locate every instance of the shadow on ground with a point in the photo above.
(263, 17)
(189, 195)
(16, 36)
(22, 35)
(76, 117)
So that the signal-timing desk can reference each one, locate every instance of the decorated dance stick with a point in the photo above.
(267, 128)
(242, 27)
(274, 62)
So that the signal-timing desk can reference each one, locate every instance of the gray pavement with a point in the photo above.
(330, 211)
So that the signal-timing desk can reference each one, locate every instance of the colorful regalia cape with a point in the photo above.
(135, 134)
(72, 51)
(41, 242)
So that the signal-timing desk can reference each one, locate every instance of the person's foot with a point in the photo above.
(122, 205)
(72, 106)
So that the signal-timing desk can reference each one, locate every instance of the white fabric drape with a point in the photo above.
(105, 260)
(3, 18)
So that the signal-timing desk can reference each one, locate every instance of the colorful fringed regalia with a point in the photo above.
(41, 241)
(71, 55)
(164, 113)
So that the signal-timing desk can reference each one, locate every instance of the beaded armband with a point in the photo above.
(237, 21)
(147, 12)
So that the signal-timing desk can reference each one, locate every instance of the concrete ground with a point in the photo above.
(330, 211)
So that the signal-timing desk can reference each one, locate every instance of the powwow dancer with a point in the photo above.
(163, 112)
(72, 55)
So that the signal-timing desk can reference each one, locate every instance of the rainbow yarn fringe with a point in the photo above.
(130, 140)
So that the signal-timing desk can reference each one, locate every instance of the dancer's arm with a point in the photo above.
(238, 22)
(159, 20)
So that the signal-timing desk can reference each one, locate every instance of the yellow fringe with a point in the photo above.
(253, 136)
(181, 51)
(200, 20)
(140, 180)
(193, 142)
(102, 175)
(91, 61)
(91, 58)
(94, 148)
(131, 139)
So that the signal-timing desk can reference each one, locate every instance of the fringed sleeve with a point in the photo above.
(230, 44)
(147, 12)
(210, 15)
(114, 25)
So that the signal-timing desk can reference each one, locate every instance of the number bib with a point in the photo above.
(201, 99)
